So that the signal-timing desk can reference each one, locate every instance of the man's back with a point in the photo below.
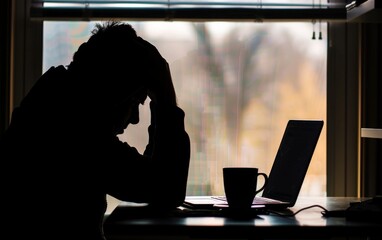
(55, 187)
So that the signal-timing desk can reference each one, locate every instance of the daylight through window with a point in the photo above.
(239, 84)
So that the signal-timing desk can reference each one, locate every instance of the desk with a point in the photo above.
(306, 224)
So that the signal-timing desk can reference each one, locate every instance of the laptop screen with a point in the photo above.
(292, 160)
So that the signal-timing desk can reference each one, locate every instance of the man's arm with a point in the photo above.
(159, 177)
(169, 148)
(169, 144)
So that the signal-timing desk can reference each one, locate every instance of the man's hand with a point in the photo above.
(161, 88)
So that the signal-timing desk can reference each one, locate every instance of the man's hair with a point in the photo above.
(112, 26)
(105, 37)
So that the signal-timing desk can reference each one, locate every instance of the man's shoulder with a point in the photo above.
(55, 70)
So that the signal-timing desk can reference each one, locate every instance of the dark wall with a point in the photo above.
(5, 54)
(371, 114)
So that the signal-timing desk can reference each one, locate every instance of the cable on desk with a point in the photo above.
(293, 214)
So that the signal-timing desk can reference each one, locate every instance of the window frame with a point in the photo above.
(343, 109)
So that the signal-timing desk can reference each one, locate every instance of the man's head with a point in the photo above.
(112, 62)
(112, 73)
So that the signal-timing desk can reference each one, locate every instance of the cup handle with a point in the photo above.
(265, 182)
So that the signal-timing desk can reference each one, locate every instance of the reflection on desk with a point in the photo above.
(127, 222)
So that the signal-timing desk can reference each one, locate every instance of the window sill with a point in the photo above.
(371, 133)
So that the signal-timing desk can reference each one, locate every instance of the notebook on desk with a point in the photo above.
(288, 170)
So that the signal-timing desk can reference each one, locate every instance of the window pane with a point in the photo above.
(239, 84)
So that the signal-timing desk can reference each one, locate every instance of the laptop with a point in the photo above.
(287, 173)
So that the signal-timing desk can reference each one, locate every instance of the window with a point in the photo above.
(238, 82)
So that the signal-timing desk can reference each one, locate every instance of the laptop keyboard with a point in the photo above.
(256, 200)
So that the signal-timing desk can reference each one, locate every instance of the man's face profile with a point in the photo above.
(127, 111)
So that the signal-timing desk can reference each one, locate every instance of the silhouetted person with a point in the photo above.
(61, 154)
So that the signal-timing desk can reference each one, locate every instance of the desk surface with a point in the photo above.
(126, 221)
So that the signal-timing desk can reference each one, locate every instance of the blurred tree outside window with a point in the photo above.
(238, 82)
